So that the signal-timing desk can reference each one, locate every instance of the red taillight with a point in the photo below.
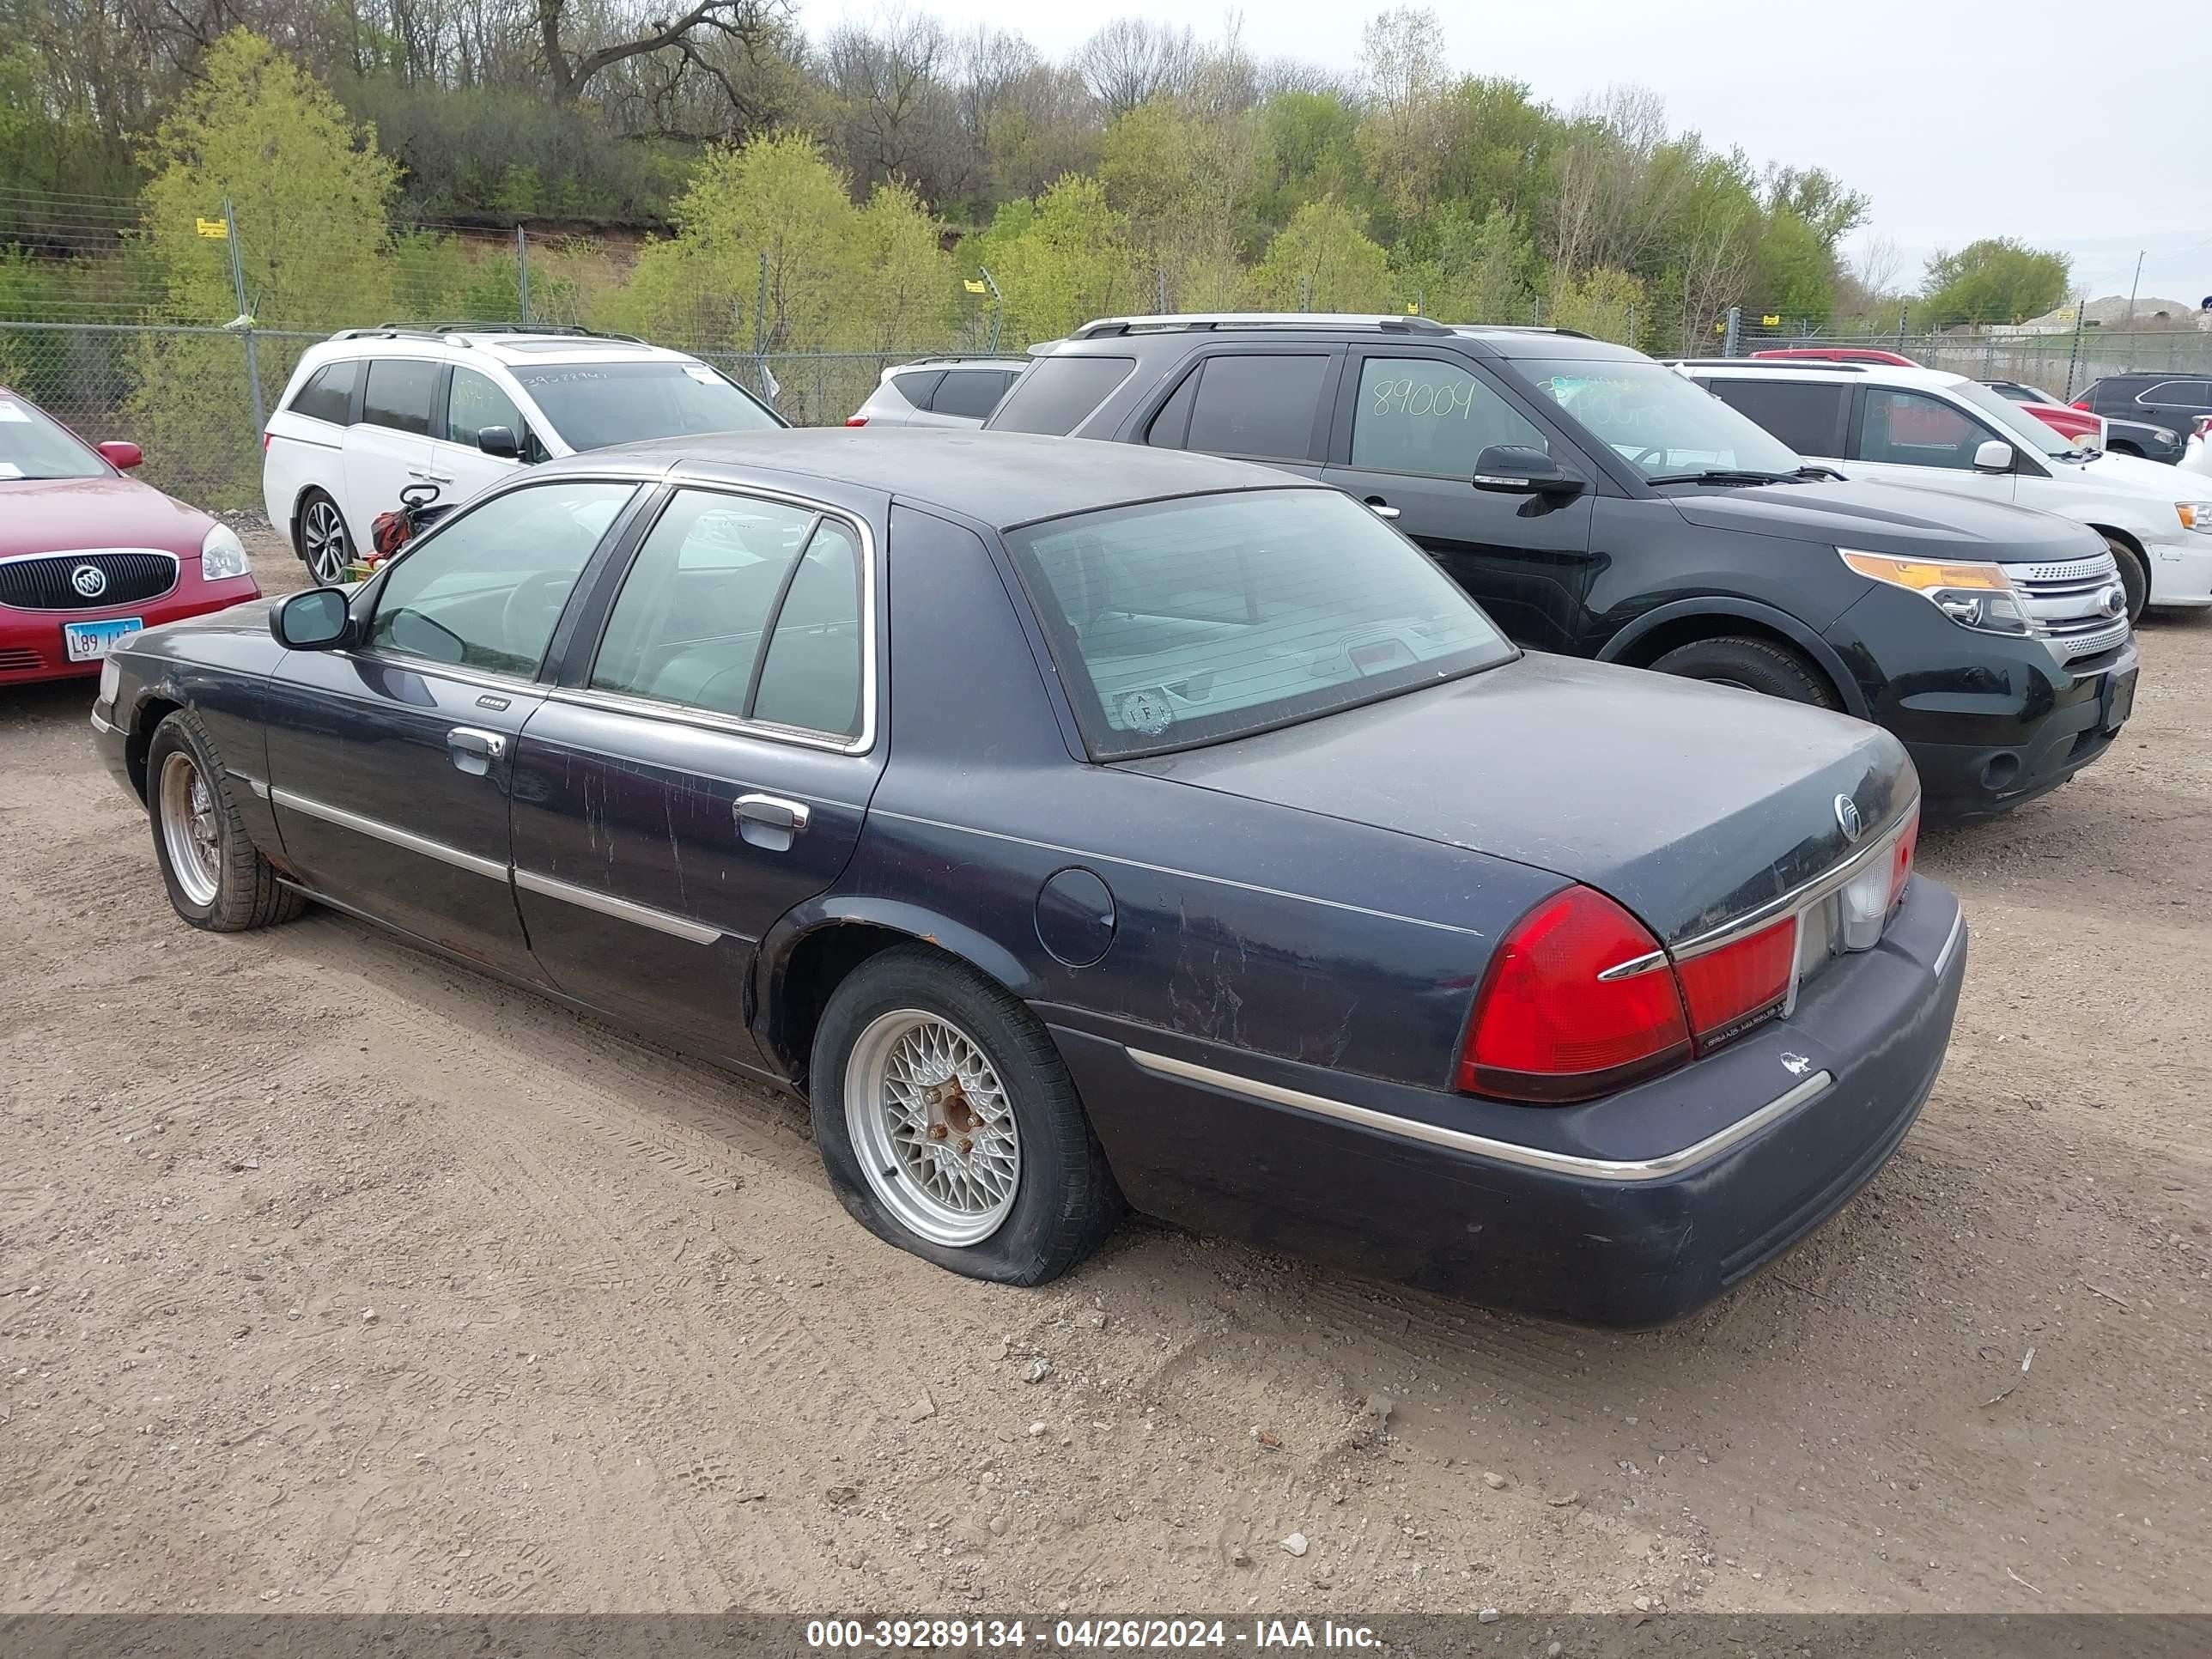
(1547, 1027)
(1900, 861)
(1726, 988)
(265, 443)
(2083, 403)
(856, 420)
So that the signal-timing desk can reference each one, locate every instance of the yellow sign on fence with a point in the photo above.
(1770, 322)
(214, 230)
(974, 287)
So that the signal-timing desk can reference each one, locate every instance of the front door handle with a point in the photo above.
(1380, 508)
(770, 822)
(473, 751)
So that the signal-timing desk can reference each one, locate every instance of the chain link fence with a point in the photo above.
(2061, 361)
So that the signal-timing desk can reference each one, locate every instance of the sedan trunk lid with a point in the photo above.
(1692, 805)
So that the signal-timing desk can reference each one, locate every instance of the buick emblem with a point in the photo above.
(90, 581)
(1847, 817)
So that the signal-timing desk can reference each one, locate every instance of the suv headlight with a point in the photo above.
(2194, 515)
(1973, 595)
(222, 555)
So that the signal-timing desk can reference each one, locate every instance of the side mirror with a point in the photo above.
(1994, 455)
(116, 452)
(499, 441)
(1519, 468)
(316, 620)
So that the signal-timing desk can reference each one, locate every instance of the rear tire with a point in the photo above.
(320, 537)
(216, 877)
(913, 1021)
(2135, 577)
(1752, 664)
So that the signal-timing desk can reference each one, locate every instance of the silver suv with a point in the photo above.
(938, 391)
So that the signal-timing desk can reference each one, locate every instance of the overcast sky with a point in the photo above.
(2025, 118)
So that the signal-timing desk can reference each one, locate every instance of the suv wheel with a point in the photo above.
(320, 538)
(2134, 578)
(948, 1125)
(1752, 664)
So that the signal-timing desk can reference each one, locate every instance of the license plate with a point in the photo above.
(90, 641)
(2120, 698)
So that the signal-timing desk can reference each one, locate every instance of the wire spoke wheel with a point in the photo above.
(933, 1127)
(188, 828)
(323, 537)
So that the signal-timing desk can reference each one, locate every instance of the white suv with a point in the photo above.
(1939, 431)
(371, 411)
(938, 391)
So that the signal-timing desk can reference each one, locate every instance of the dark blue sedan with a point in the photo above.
(1077, 826)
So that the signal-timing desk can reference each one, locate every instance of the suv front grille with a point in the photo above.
(52, 581)
(2067, 601)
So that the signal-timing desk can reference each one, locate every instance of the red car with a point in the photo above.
(88, 558)
(1840, 354)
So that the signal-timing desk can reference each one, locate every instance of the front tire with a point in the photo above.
(320, 537)
(948, 1125)
(2135, 577)
(1752, 665)
(216, 877)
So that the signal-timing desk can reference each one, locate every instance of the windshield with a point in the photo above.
(33, 447)
(592, 405)
(1661, 424)
(1204, 618)
(2016, 422)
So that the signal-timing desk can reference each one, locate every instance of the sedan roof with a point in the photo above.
(998, 478)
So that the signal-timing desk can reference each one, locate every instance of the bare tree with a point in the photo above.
(897, 114)
(1134, 58)
(569, 70)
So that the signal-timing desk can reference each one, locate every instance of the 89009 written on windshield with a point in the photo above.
(1661, 424)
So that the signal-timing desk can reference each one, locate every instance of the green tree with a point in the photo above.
(1794, 271)
(311, 196)
(900, 295)
(775, 197)
(1460, 270)
(1996, 280)
(1609, 304)
(1062, 260)
(1324, 260)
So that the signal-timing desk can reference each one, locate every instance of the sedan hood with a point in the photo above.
(1885, 518)
(70, 515)
(1690, 804)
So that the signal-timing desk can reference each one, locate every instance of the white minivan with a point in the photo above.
(1934, 430)
(371, 412)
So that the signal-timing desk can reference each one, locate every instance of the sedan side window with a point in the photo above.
(1908, 429)
(486, 591)
(716, 578)
(1426, 416)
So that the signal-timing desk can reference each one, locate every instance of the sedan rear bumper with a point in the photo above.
(1625, 1212)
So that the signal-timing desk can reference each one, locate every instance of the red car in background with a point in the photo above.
(1840, 354)
(2066, 421)
(88, 558)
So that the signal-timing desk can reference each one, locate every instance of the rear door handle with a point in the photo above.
(428, 477)
(473, 751)
(770, 822)
(1380, 508)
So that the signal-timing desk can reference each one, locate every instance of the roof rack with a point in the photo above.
(1533, 328)
(1389, 324)
(1824, 365)
(446, 330)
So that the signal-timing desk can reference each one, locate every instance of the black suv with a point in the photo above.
(1602, 506)
(2174, 400)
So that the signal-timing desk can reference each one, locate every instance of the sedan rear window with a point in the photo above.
(1189, 621)
(1058, 394)
(594, 404)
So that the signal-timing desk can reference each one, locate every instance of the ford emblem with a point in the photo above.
(1847, 817)
(2114, 601)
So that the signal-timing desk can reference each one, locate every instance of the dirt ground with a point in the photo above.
(334, 1278)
